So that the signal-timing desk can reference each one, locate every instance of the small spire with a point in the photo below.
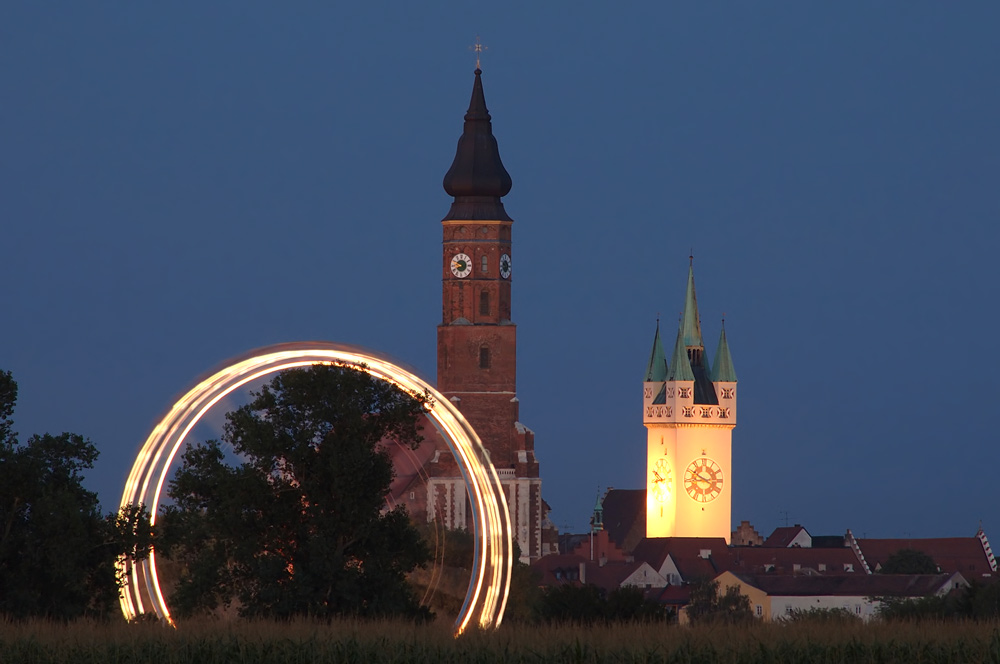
(723, 369)
(597, 520)
(680, 366)
(690, 323)
(656, 370)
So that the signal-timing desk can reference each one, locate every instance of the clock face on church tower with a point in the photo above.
(703, 480)
(461, 265)
(661, 481)
(505, 266)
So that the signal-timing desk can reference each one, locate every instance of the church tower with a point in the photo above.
(689, 409)
(477, 345)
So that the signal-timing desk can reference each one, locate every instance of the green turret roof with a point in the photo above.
(723, 369)
(656, 370)
(690, 325)
(680, 366)
(597, 520)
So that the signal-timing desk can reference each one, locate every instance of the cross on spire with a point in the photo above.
(478, 49)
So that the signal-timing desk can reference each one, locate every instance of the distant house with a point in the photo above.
(577, 570)
(776, 596)
(788, 537)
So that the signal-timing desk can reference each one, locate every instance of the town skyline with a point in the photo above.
(183, 188)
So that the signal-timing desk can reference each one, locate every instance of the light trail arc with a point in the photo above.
(490, 582)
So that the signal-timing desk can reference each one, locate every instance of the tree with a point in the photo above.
(707, 605)
(300, 527)
(909, 561)
(57, 551)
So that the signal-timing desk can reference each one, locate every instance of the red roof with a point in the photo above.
(559, 568)
(866, 585)
(952, 554)
(687, 554)
(782, 537)
(795, 560)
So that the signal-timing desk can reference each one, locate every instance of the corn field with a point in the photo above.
(303, 641)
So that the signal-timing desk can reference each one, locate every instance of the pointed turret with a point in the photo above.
(680, 366)
(690, 323)
(722, 370)
(656, 370)
(477, 178)
(597, 520)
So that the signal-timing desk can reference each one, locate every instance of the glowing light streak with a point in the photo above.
(486, 599)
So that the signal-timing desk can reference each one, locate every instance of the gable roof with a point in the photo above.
(952, 554)
(868, 585)
(795, 560)
(784, 536)
(686, 554)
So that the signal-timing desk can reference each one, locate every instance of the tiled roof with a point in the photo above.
(952, 554)
(686, 552)
(783, 536)
(868, 585)
(554, 568)
(760, 560)
(610, 575)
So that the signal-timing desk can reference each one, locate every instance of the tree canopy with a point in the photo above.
(709, 605)
(299, 525)
(909, 561)
(57, 551)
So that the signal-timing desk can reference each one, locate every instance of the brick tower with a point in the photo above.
(477, 344)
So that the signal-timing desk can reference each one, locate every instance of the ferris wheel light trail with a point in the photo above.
(486, 599)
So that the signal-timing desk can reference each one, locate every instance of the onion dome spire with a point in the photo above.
(477, 178)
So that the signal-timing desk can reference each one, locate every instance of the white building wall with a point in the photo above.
(784, 606)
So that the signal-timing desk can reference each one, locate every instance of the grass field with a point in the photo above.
(301, 642)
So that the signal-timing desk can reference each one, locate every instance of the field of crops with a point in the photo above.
(276, 643)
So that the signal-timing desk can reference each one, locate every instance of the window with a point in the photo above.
(485, 264)
(412, 495)
(760, 610)
(484, 358)
(484, 303)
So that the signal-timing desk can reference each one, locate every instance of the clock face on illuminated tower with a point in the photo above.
(505, 266)
(461, 265)
(703, 480)
(661, 481)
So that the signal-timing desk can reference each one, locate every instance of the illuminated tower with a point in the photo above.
(689, 410)
(476, 339)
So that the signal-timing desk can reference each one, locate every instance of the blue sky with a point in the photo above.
(182, 184)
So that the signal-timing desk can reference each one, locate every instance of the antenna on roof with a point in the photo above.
(785, 512)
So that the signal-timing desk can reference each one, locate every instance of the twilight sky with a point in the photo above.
(180, 184)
